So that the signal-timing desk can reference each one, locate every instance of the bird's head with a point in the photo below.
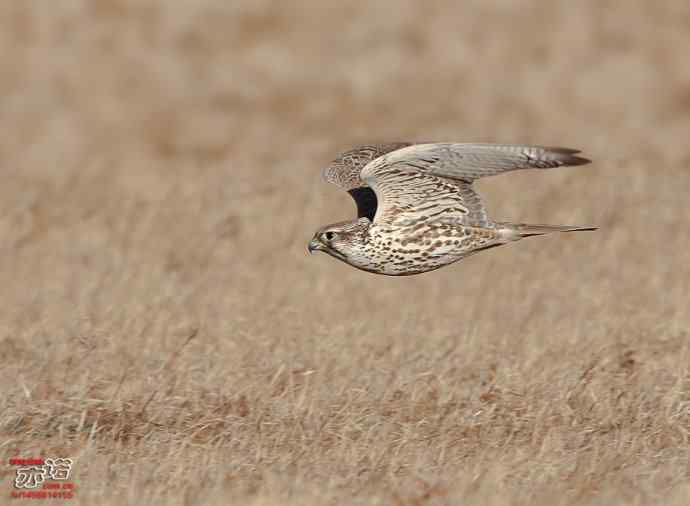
(341, 240)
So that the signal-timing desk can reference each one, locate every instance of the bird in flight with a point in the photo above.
(416, 208)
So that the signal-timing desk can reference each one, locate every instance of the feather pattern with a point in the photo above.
(417, 208)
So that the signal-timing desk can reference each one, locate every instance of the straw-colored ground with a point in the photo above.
(162, 324)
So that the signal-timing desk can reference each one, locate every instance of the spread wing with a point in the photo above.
(345, 170)
(434, 181)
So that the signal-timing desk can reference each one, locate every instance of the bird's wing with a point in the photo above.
(406, 198)
(344, 172)
(434, 181)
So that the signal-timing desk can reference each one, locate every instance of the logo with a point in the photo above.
(38, 478)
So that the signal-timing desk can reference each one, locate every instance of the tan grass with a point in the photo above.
(162, 324)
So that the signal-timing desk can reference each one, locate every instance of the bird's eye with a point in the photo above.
(329, 236)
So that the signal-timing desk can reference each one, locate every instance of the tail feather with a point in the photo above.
(520, 230)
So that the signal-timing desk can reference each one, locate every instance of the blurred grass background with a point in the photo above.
(162, 324)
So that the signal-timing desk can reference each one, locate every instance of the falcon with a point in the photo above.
(416, 208)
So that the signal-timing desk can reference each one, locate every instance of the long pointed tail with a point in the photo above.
(517, 231)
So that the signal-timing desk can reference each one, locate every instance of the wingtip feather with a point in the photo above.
(576, 160)
(561, 150)
(566, 156)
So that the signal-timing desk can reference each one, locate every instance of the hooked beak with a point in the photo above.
(314, 245)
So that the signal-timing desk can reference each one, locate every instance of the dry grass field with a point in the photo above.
(162, 324)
